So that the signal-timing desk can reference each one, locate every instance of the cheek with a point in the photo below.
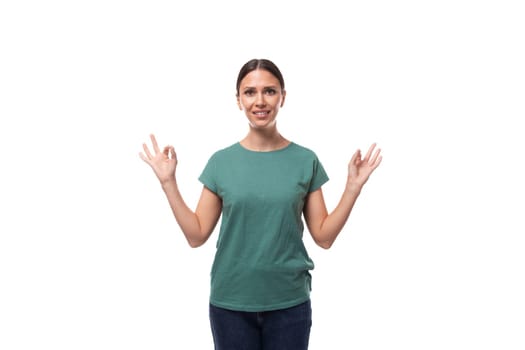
(244, 103)
(240, 104)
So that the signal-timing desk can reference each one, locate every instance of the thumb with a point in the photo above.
(173, 154)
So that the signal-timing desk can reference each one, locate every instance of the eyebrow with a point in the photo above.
(265, 87)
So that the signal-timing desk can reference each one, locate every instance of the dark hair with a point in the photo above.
(255, 64)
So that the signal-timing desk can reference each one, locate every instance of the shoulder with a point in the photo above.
(225, 152)
(302, 150)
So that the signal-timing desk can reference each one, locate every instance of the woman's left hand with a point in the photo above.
(359, 169)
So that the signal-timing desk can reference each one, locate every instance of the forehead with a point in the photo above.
(259, 77)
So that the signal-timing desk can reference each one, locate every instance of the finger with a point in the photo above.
(173, 154)
(375, 156)
(355, 157)
(369, 153)
(166, 151)
(155, 144)
(144, 158)
(146, 151)
(376, 164)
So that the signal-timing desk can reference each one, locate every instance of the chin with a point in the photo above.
(262, 125)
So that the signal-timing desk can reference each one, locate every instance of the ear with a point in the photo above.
(239, 102)
(284, 97)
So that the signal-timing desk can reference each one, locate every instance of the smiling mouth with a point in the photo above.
(261, 114)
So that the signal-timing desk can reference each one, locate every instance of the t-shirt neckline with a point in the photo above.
(265, 152)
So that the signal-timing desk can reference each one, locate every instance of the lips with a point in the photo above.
(261, 114)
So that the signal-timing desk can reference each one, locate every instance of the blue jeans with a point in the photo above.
(286, 329)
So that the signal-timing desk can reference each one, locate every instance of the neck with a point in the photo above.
(264, 140)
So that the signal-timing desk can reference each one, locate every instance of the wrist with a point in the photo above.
(168, 182)
(353, 187)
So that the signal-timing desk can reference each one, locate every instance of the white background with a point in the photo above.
(433, 254)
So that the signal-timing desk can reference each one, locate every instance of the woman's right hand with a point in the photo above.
(163, 163)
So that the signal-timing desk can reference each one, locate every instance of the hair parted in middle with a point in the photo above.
(259, 63)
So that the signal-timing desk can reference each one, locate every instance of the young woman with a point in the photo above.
(262, 186)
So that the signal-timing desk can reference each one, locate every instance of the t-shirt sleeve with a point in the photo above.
(208, 176)
(319, 176)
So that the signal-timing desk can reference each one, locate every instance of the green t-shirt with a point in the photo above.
(261, 263)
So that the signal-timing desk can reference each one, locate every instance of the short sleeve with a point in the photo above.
(208, 176)
(319, 176)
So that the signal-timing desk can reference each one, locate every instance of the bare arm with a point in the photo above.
(197, 226)
(326, 227)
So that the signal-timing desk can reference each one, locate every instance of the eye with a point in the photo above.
(249, 92)
(270, 91)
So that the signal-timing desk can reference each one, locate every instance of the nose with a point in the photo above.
(260, 100)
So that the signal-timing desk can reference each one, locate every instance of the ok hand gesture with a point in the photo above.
(359, 170)
(163, 163)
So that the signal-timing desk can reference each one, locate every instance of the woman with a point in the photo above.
(262, 186)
